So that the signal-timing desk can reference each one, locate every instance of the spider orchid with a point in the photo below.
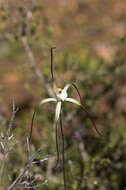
(61, 96)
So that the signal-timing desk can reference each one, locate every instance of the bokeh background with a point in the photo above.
(90, 41)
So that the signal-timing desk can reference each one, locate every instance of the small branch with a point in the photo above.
(5, 140)
(35, 67)
(21, 175)
(14, 111)
(31, 127)
(32, 61)
(30, 135)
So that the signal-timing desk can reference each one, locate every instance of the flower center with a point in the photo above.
(62, 94)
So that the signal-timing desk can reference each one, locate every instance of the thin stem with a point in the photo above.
(31, 127)
(52, 63)
(14, 111)
(63, 152)
(85, 110)
(57, 147)
(30, 135)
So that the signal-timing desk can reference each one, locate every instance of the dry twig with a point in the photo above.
(4, 141)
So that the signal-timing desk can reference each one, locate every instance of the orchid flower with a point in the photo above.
(61, 95)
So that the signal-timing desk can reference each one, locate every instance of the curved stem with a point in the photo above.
(63, 152)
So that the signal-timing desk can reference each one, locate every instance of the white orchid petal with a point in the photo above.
(66, 87)
(74, 101)
(48, 100)
(58, 109)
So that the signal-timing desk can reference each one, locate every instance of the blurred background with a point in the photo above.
(90, 41)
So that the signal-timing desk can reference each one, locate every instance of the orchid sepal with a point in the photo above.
(66, 87)
(48, 100)
(74, 101)
(58, 110)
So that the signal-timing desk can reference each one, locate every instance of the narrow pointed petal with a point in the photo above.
(48, 100)
(74, 101)
(92, 120)
(66, 87)
(58, 109)
(76, 88)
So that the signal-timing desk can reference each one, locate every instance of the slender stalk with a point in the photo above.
(57, 147)
(14, 111)
(63, 153)
(30, 135)
(31, 127)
